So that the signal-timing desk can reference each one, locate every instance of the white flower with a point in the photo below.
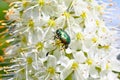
(41, 53)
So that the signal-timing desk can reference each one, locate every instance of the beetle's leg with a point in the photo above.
(47, 53)
(66, 46)
(51, 52)
(55, 37)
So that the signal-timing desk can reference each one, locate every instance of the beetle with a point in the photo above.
(63, 37)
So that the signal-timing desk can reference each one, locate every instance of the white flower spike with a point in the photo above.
(61, 40)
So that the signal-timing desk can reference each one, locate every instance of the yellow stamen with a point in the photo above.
(24, 39)
(51, 22)
(25, 3)
(79, 36)
(41, 2)
(106, 46)
(66, 14)
(29, 60)
(89, 61)
(83, 15)
(51, 70)
(97, 22)
(75, 65)
(108, 65)
(31, 23)
(39, 46)
(94, 39)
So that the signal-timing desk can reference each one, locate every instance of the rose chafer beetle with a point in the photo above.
(63, 37)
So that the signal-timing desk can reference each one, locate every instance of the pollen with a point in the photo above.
(31, 23)
(39, 46)
(75, 65)
(106, 46)
(24, 39)
(94, 39)
(25, 3)
(66, 14)
(97, 22)
(29, 60)
(51, 22)
(51, 70)
(89, 61)
(79, 36)
(58, 43)
(83, 15)
(41, 2)
(107, 66)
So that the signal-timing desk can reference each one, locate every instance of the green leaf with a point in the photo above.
(6, 64)
(100, 46)
(98, 69)
(76, 16)
(85, 54)
(2, 29)
(70, 56)
(65, 25)
(116, 72)
(3, 6)
(118, 76)
(2, 72)
(1, 52)
(70, 77)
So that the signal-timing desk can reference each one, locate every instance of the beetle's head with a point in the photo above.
(58, 32)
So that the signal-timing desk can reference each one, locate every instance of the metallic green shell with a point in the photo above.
(63, 36)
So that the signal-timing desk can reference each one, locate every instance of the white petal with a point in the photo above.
(79, 57)
(51, 62)
(67, 71)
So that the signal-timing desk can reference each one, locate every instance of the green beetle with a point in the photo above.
(63, 36)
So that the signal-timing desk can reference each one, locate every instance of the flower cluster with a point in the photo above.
(41, 54)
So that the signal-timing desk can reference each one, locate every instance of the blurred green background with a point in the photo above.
(3, 6)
